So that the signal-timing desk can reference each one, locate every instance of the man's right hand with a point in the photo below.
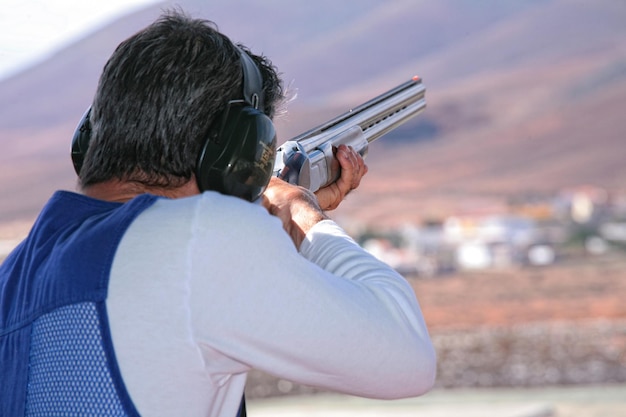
(297, 207)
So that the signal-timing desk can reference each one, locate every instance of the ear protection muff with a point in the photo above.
(80, 141)
(238, 156)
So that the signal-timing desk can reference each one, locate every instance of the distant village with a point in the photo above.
(537, 232)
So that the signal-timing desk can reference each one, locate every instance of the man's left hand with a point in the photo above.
(353, 168)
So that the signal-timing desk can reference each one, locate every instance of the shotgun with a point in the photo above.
(308, 159)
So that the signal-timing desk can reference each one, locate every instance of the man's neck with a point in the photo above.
(123, 191)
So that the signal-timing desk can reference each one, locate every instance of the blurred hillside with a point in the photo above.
(523, 97)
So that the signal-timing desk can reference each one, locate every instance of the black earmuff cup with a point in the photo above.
(80, 141)
(241, 161)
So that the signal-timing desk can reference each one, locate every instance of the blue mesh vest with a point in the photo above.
(56, 354)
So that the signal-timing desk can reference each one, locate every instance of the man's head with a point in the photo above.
(162, 93)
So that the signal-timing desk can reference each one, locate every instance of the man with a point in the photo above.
(151, 293)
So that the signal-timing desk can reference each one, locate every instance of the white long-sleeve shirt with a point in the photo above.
(205, 288)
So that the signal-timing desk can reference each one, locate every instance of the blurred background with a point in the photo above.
(503, 204)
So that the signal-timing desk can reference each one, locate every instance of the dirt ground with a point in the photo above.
(530, 327)
(583, 288)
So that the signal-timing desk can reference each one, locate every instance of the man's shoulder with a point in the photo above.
(214, 201)
(208, 207)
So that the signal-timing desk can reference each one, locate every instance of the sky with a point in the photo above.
(31, 30)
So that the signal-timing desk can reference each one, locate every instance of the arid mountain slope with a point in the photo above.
(522, 96)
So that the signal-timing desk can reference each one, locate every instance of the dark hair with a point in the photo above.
(158, 97)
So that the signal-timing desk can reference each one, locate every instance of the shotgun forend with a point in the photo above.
(308, 159)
